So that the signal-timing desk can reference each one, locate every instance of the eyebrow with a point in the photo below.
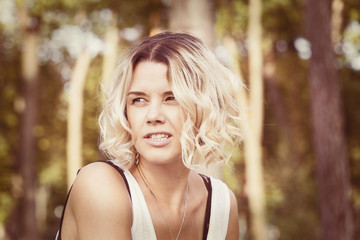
(136, 93)
(139, 93)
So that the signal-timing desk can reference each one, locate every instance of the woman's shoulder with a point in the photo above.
(99, 187)
(100, 179)
(99, 190)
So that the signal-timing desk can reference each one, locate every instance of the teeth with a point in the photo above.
(159, 137)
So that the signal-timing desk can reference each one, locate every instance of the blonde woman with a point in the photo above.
(170, 109)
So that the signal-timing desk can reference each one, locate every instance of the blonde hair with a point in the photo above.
(203, 87)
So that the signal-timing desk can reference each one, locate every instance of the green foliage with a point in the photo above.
(50, 132)
(92, 104)
(9, 124)
(37, 7)
(283, 19)
(351, 12)
(231, 18)
(351, 90)
(288, 162)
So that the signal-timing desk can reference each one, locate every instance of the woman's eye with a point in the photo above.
(138, 100)
(170, 98)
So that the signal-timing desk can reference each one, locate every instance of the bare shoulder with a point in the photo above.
(98, 180)
(233, 227)
(100, 204)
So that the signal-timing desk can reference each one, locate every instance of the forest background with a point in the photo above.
(299, 178)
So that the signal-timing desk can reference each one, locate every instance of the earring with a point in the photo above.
(137, 159)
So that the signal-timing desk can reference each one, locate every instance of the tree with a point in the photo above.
(75, 113)
(27, 140)
(185, 17)
(196, 17)
(336, 20)
(332, 164)
(111, 48)
(253, 138)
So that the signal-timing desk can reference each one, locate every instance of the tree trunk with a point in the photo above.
(27, 140)
(253, 142)
(111, 50)
(154, 21)
(75, 113)
(197, 18)
(235, 66)
(110, 57)
(336, 20)
(332, 162)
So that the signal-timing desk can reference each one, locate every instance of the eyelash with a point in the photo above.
(137, 100)
(172, 98)
(140, 99)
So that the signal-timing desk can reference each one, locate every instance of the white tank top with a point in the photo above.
(143, 228)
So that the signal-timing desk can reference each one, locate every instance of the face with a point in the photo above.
(154, 115)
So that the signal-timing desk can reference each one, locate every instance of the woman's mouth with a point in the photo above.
(158, 137)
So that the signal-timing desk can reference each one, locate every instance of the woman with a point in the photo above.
(171, 108)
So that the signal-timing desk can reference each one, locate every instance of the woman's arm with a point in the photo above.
(99, 204)
(233, 228)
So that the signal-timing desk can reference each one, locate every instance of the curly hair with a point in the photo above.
(205, 89)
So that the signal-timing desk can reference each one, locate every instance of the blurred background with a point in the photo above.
(298, 177)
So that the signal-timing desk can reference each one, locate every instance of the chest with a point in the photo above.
(186, 223)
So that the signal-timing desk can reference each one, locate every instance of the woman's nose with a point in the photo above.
(154, 113)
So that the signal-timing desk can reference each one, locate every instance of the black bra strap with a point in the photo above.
(62, 215)
(120, 171)
(207, 182)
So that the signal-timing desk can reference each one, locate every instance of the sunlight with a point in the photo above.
(303, 47)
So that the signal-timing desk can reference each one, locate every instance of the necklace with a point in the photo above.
(157, 205)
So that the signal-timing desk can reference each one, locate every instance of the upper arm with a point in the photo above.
(233, 227)
(100, 204)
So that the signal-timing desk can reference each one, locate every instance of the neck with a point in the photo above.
(168, 182)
